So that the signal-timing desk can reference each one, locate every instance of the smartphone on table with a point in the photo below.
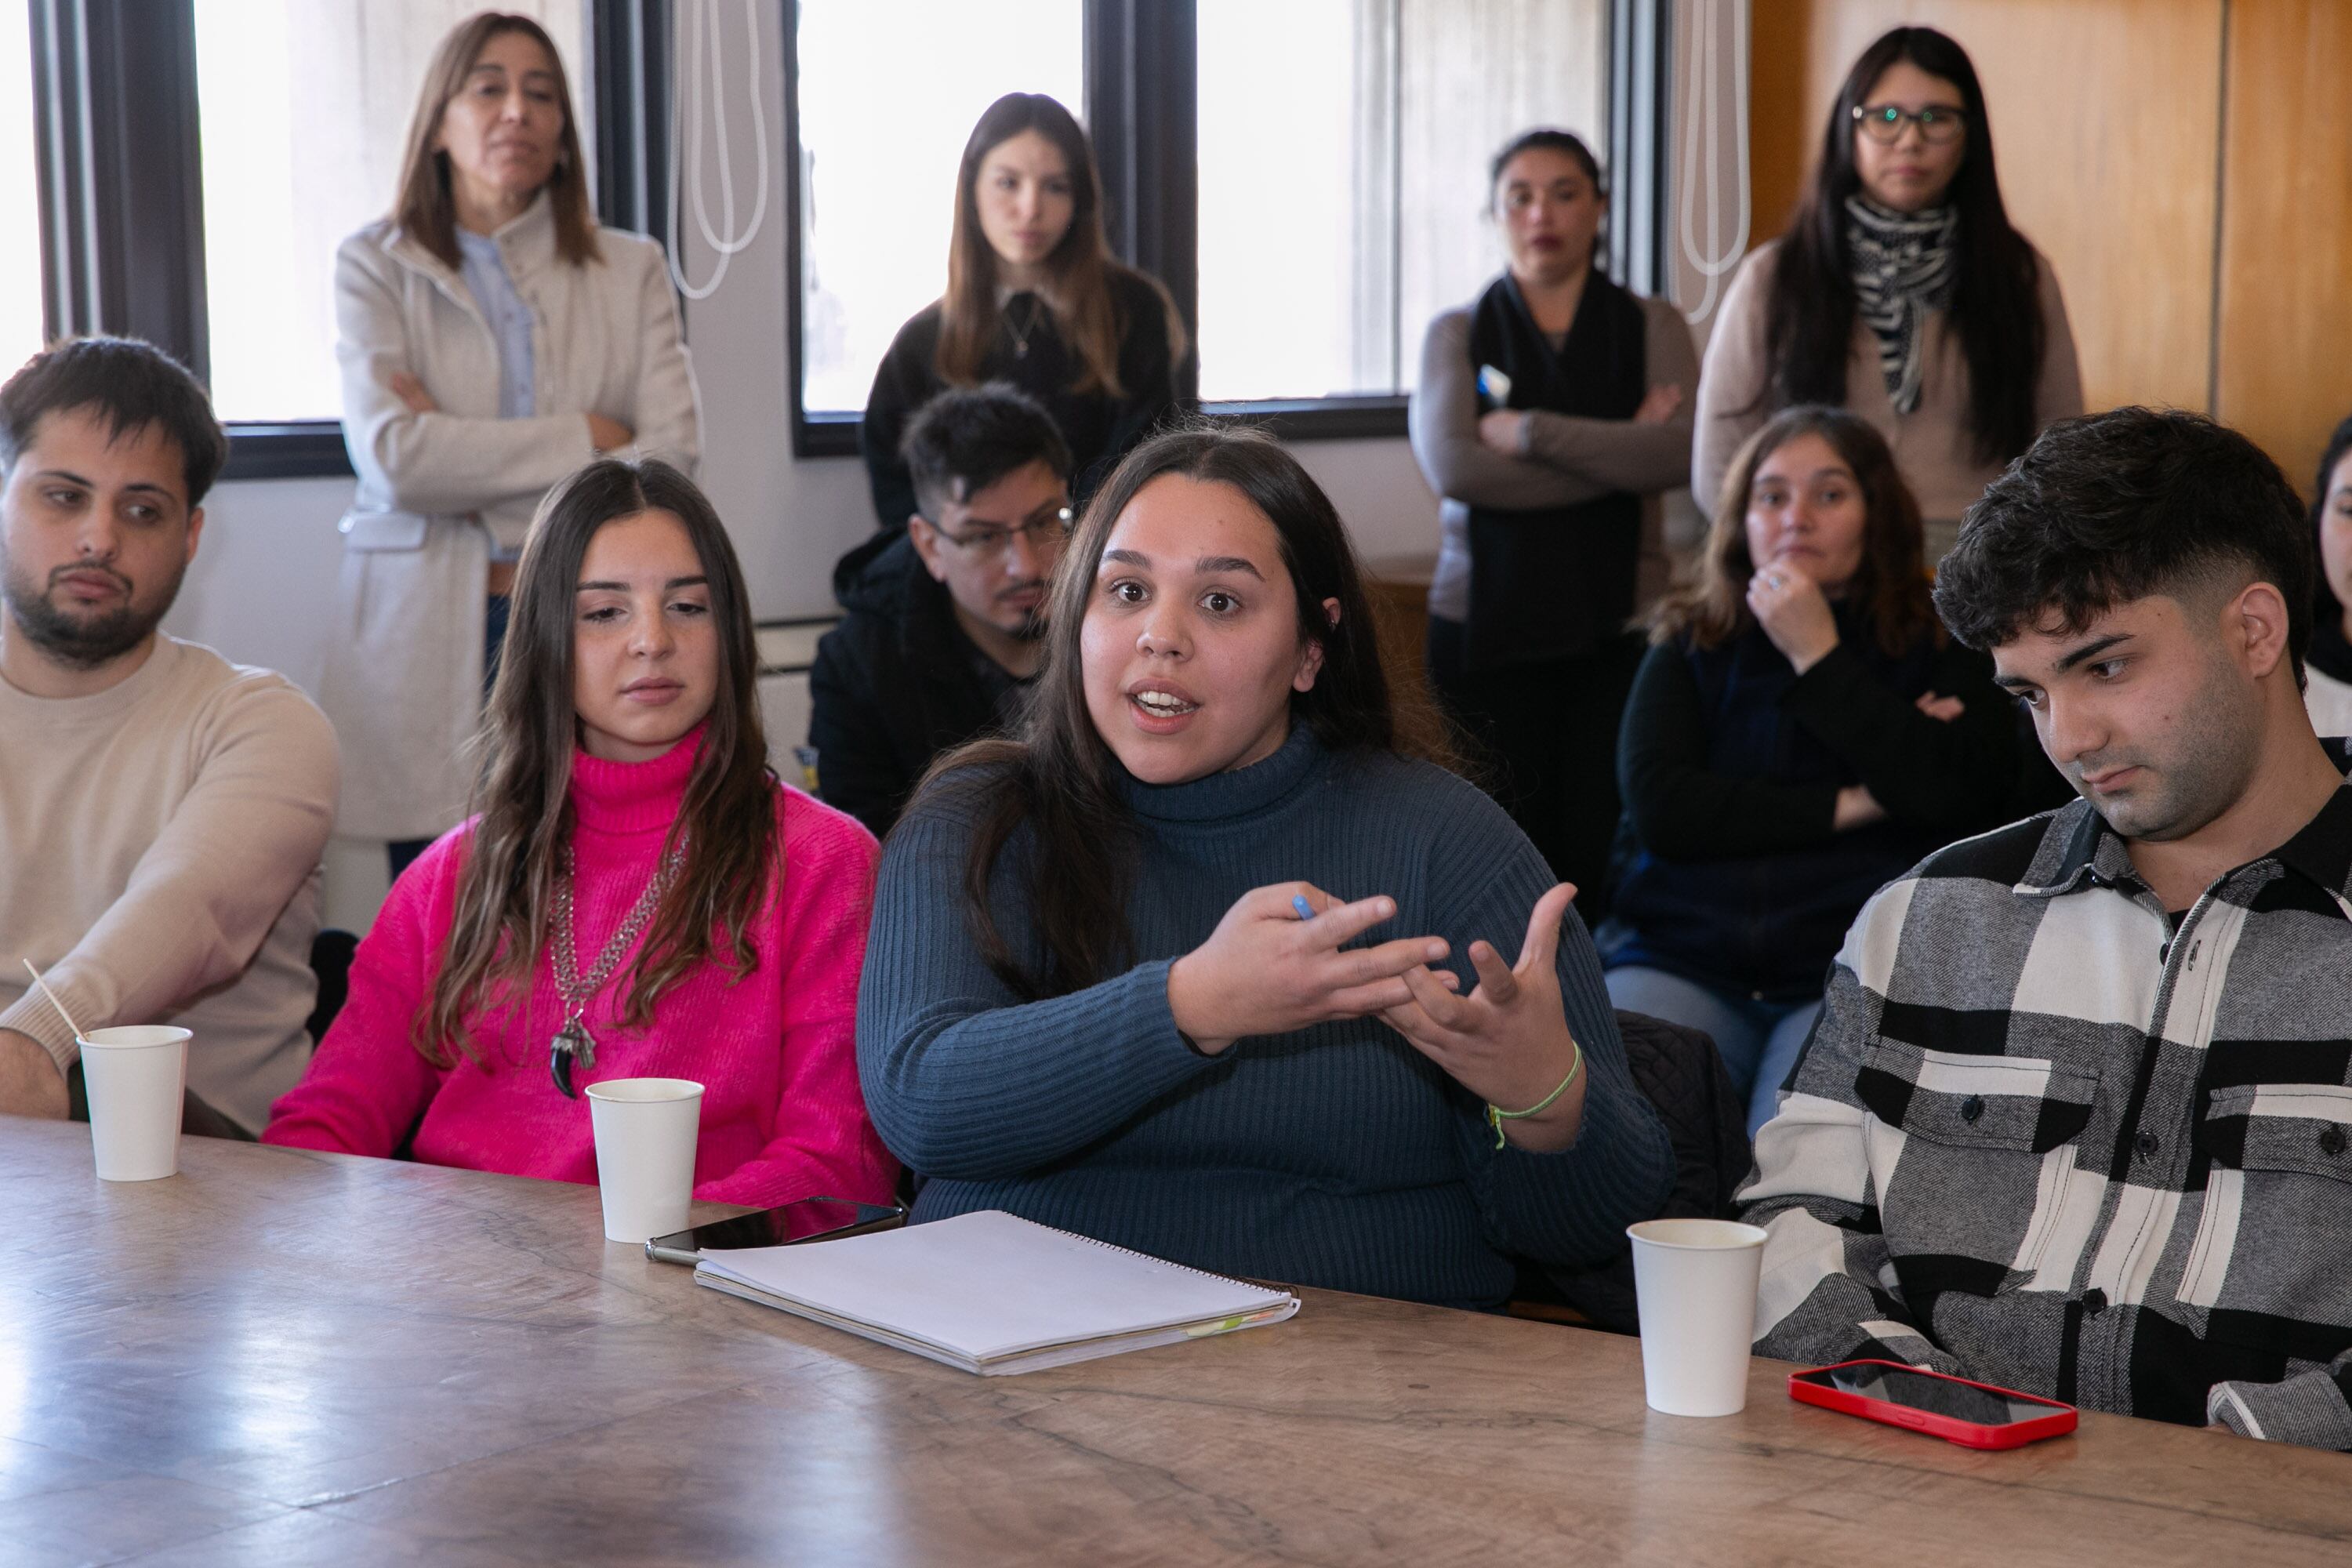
(810, 1219)
(1976, 1415)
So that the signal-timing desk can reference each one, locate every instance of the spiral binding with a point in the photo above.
(1165, 1262)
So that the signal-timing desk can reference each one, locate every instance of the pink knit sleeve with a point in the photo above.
(823, 1143)
(367, 1085)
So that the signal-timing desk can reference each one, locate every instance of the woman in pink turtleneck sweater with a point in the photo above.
(629, 575)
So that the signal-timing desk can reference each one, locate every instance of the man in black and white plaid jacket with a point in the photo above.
(2078, 1115)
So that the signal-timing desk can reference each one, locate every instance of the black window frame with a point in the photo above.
(1640, 45)
(120, 176)
(118, 135)
(1143, 62)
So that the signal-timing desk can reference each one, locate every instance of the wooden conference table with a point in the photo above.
(288, 1358)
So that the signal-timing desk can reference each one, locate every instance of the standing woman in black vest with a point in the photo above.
(1034, 298)
(1545, 413)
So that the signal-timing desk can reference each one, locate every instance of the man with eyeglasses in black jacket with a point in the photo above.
(941, 635)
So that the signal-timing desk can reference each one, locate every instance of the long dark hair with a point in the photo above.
(2327, 609)
(423, 207)
(522, 794)
(1996, 304)
(1078, 272)
(1056, 775)
(1889, 590)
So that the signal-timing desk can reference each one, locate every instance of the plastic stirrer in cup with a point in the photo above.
(53, 997)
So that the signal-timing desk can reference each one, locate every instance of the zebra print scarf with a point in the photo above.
(1902, 267)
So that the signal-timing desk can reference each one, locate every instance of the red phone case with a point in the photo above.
(1969, 1434)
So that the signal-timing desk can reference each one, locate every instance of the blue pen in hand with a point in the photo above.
(1305, 911)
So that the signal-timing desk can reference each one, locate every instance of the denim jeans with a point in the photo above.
(1760, 1041)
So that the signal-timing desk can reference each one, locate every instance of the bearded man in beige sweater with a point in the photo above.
(162, 811)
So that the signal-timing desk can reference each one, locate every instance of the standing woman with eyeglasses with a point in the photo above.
(635, 895)
(492, 339)
(1034, 298)
(1900, 292)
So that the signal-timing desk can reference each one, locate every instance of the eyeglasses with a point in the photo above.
(988, 541)
(1885, 121)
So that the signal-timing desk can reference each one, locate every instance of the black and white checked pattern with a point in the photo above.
(1902, 269)
(2041, 1139)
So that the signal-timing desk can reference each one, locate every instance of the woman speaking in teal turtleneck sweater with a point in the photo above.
(1202, 963)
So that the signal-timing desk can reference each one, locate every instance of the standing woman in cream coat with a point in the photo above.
(492, 339)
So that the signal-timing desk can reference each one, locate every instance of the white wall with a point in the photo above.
(789, 518)
(259, 591)
(264, 577)
(1387, 505)
(1710, 142)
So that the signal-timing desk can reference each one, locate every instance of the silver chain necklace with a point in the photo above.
(572, 1043)
(1021, 335)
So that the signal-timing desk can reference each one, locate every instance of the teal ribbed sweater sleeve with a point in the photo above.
(1572, 1207)
(963, 1079)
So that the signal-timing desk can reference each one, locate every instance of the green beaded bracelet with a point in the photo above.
(1496, 1116)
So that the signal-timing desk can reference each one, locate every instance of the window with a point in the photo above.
(20, 243)
(1308, 176)
(201, 160)
(1297, 199)
(305, 107)
(1342, 153)
(886, 97)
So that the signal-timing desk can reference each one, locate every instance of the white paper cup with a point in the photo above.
(1695, 1282)
(646, 1130)
(136, 1076)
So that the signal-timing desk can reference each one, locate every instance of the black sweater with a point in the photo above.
(895, 684)
(1099, 429)
(1730, 764)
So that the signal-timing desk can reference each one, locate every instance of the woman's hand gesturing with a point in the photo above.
(1508, 1042)
(1264, 971)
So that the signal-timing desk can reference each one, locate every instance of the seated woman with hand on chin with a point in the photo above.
(1802, 732)
(634, 880)
(1114, 982)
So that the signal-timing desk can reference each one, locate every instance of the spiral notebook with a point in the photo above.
(991, 1292)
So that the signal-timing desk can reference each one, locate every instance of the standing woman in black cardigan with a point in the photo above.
(1034, 298)
(1545, 413)
(1800, 734)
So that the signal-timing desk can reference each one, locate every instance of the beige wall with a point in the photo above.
(2141, 143)
(2284, 372)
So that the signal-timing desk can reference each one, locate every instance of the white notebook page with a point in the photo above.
(992, 1284)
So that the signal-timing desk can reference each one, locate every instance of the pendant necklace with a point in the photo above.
(572, 1043)
(1021, 335)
